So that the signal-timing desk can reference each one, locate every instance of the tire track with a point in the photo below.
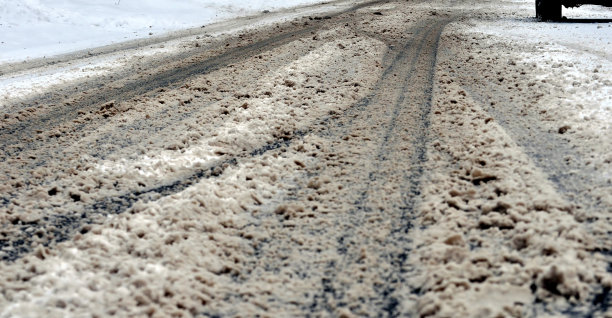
(540, 144)
(169, 78)
(572, 179)
(515, 109)
(195, 100)
(62, 227)
(191, 65)
(56, 228)
(395, 116)
(555, 155)
(412, 180)
(408, 124)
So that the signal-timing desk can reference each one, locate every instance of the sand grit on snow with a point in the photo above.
(492, 215)
(352, 171)
(185, 241)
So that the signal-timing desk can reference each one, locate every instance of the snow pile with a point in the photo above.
(34, 28)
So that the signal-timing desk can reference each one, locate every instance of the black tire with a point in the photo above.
(548, 10)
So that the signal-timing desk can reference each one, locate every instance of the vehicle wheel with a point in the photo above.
(548, 10)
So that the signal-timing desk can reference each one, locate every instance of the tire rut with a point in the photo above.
(61, 227)
(397, 113)
(544, 147)
(166, 79)
(412, 104)
(572, 178)
(554, 154)
(192, 64)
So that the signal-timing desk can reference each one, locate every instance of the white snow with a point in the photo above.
(575, 53)
(34, 28)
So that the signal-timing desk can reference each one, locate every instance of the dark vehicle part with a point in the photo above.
(548, 10)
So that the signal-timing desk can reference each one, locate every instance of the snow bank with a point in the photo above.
(34, 28)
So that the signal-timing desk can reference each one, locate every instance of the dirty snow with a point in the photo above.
(306, 155)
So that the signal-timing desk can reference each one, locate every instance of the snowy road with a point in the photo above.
(388, 158)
